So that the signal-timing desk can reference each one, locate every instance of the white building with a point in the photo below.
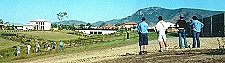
(38, 24)
(28, 27)
(97, 31)
(129, 25)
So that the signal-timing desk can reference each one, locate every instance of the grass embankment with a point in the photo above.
(49, 35)
(113, 40)
(4, 43)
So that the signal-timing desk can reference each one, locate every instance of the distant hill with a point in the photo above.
(171, 15)
(151, 14)
(71, 22)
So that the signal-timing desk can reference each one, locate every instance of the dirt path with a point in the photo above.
(112, 53)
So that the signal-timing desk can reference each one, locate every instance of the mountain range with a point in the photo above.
(151, 14)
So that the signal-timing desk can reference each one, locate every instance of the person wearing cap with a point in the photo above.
(181, 26)
(142, 30)
(197, 26)
(161, 27)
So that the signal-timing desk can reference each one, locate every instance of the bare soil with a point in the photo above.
(208, 52)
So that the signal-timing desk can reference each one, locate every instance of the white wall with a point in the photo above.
(97, 31)
(28, 27)
(41, 24)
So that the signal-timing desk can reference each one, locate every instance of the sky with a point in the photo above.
(90, 11)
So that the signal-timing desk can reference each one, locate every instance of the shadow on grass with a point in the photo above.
(173, 34)
(198, 52)
(214, 52)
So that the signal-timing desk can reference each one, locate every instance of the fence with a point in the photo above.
(213, 26)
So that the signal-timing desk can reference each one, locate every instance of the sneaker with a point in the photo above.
(141, 53)
(180, 47)
(144, 52)
(186, 47)
(161, 50)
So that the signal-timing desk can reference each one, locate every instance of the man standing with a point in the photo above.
(54, 46)
(142, 30)
(160, 29)
(18, 50)
(28, 49)
(37, 47)
(197, 26)
(181, 25)
(61, 45)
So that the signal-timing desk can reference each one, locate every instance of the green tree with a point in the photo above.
(117, 24)
(82, 26)
(89, 25)
(7, 25)
(1, 21)
(61, 16)
(103, 24)
(134, 27)
(53, 25)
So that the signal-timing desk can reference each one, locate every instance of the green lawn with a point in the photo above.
(4, 43)
(49, 35)
(110, 41)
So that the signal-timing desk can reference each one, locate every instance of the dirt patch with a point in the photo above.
(195, 55)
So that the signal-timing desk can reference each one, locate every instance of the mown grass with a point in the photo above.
(109, 42)
(49, 35)
(4, 43)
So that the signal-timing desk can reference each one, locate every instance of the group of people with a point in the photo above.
(47, 47)
(161, 28)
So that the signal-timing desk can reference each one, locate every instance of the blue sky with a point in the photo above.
(22, 11)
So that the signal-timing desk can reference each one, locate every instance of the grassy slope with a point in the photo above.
(4, 43)
(56, 36)
(109, 42)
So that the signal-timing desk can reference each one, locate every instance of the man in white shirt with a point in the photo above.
(161, 28)
(28, 49)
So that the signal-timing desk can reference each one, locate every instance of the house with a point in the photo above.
(109, 27)
(128, 25)
(17, 26)
(28, 27)
(39, 24)
(97, 31)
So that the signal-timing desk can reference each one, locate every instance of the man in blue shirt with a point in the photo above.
(142, 30)
(18, 50)
(60, 45)
(197, 26)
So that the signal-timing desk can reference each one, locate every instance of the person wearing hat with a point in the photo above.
(181, 26)
(161, 27)
(197, 26)
(142, 30)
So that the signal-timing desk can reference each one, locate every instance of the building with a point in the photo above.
(109, 27)
(213, 26)
(97, 31)
(39, 24)
(28, 27)
(129, 25)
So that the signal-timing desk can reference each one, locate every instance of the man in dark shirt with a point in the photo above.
(181, 25)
